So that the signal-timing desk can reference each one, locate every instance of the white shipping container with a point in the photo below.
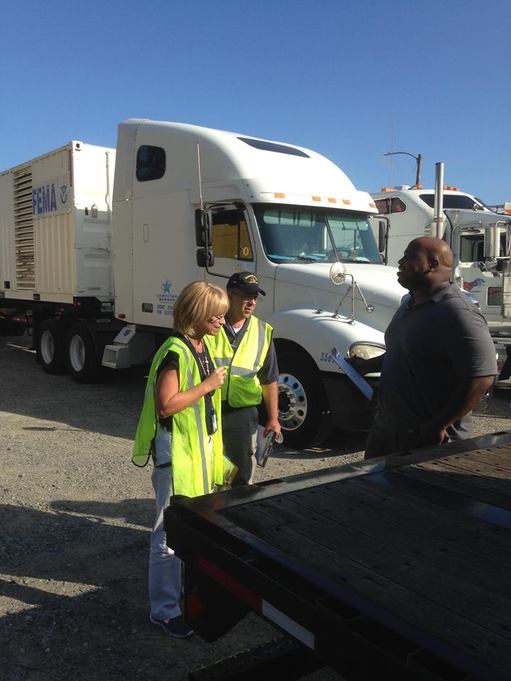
(55, 226)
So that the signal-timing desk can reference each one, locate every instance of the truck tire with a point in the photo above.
(50, 346)
(303, 406)
(83, 362)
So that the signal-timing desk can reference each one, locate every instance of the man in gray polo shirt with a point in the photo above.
(439, 360)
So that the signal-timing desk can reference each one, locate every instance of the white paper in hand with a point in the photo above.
(352, 374)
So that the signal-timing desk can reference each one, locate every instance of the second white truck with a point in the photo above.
(99, 256)
(478, 237)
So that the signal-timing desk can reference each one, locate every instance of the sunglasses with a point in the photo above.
(216, 318)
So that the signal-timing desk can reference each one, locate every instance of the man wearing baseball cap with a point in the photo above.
(244, 345)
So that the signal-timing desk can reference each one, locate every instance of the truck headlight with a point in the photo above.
(365, 350)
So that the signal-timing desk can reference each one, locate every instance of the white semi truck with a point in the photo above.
(99, 256)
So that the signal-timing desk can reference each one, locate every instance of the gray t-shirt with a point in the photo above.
(429, 346)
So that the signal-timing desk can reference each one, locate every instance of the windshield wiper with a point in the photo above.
(308, 258)
(357, 258)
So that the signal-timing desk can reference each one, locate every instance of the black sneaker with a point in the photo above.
(175, 627)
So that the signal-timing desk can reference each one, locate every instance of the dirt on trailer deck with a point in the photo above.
(76, 516)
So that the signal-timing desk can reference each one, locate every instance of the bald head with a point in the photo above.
(425, 266)
(435, 249)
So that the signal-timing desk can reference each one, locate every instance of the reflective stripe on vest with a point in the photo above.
(242, 387)
(197, 461)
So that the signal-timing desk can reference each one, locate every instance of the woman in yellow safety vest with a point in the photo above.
(180, 428)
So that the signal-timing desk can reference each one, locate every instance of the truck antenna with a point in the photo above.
(203, 215)
(200, 177)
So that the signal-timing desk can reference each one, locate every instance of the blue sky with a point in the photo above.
(351, 80)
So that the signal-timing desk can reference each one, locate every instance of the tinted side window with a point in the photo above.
(150, 163)
(383, 206)
(390, 205)
(397, 206)
(230, 235)
(452, 201)
(472, 248)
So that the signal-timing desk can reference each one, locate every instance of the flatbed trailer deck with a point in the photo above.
(397, 566)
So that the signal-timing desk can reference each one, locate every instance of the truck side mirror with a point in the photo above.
(382, 228)
(205, 257)
(491, 243)
(202, 228)
(383, 236)
(337, 273)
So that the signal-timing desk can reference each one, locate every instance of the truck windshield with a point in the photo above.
(301, 234)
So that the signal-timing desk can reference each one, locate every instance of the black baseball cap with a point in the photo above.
(246, 282)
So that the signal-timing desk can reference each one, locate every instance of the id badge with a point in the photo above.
(214, 421)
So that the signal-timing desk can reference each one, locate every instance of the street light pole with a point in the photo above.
(418, 160)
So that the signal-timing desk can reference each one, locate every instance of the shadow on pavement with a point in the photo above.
(74, 585)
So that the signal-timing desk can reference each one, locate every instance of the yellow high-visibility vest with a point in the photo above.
(197, 462)
(242, 387)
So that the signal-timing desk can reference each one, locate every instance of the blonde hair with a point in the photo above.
(198, 302)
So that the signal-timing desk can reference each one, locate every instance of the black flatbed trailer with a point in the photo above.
(397, 567)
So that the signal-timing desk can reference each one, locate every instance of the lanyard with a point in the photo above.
(202, 358)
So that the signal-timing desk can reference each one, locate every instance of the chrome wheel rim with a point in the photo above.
(47, 345)
(293, 406)
(77, 353)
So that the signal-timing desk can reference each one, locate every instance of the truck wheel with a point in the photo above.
(83, 363)
(50, 346)
(303, 407)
